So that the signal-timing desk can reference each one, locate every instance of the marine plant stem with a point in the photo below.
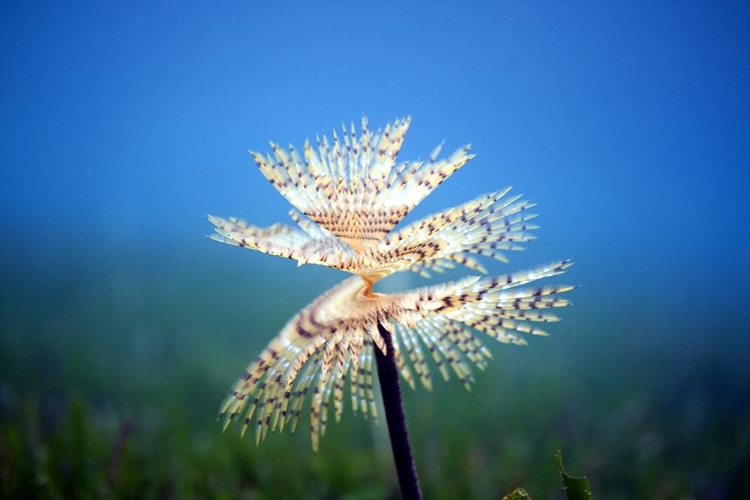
(394, 414)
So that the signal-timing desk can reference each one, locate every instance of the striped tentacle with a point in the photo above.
(337, 333)
(494, 306)
(487, 225)
(353, 187)
(306, 247)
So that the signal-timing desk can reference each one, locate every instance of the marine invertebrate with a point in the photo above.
(337, 334)
(348, 198)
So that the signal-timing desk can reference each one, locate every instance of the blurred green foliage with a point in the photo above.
(111, 377)
(519, 494)
(576, 488)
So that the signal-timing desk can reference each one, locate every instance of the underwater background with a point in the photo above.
(122, 326)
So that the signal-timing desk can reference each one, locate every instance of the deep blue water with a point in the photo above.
(123, 125)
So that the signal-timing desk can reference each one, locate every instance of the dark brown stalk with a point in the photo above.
(394, 414)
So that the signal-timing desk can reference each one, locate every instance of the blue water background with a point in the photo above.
(122, 125)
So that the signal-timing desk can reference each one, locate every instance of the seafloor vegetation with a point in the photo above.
(111, 373)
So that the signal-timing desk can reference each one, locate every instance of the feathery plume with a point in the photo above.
(348, 194)
(348, 197)
(333, 338)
